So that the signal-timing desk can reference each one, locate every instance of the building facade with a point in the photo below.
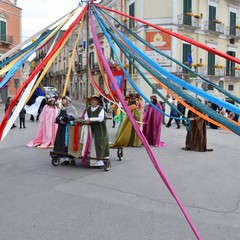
(10, 36)
(200, 20)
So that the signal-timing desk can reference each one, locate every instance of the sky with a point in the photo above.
(38, 14)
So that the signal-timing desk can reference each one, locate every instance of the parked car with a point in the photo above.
(50, 91)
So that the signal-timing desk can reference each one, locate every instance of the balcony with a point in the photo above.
(234, 2)
(6, 39)
(78, 66)
(214, 27)
(233, 31)
(189, 22)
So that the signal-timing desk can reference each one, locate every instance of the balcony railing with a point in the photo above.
(234, 31)
(6, 39)
(188, 21)
(236, 2)
(217, 28)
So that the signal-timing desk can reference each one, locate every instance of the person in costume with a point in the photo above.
(126, 135)
(95, 117)
(196, 139)
(152, 123)
(47, 128)
(34, 104)
(67, 113)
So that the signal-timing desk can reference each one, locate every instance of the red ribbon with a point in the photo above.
(75, 137)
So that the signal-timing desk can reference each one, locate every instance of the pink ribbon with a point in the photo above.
(136, 127)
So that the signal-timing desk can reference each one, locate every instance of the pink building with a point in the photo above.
(10, 35)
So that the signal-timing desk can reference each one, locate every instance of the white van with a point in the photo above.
(50, 91)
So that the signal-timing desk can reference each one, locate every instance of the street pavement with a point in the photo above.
(130, 202)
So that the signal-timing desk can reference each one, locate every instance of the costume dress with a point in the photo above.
(65, 115)
(126, 135)
(196, 139)
(152, 124)
(47, 128)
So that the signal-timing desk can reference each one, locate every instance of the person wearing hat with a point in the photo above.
(47, 128)
(152, 123)
(95, 117)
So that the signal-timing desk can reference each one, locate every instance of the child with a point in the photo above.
(22, 118)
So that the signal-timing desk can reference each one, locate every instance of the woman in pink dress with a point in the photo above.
(47, 128)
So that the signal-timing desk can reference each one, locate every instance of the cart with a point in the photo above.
(56, 159)
(75, 154)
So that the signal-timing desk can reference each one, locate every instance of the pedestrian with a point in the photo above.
(181, 108)
(22, 118)
(173, 115)
(95, 117)
(7, 104)
(47, 128)
(152, 123)
(196, 139)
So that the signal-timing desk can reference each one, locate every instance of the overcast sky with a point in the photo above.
(37, 14)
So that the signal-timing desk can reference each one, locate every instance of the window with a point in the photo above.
(3, 31)
(187, 7)
(230, 65)
(131, 13)
(210, 87)
(185, 53)
(80, 60)
(101, 83)
(233, 17)
(131, 67)
(91, 57)
(211, 63)
(211, 17)
(221, 84)
(112, 56)
(230, 88)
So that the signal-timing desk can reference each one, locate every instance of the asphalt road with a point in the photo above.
(130, 202)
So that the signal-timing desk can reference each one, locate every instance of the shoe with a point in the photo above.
(99, 163)
(178, 127)
(209, 150)
(186, 149)
(24, 127)
(72, 162)
(113, 126)
(93, 163)
(167, 126)
(20, 127)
